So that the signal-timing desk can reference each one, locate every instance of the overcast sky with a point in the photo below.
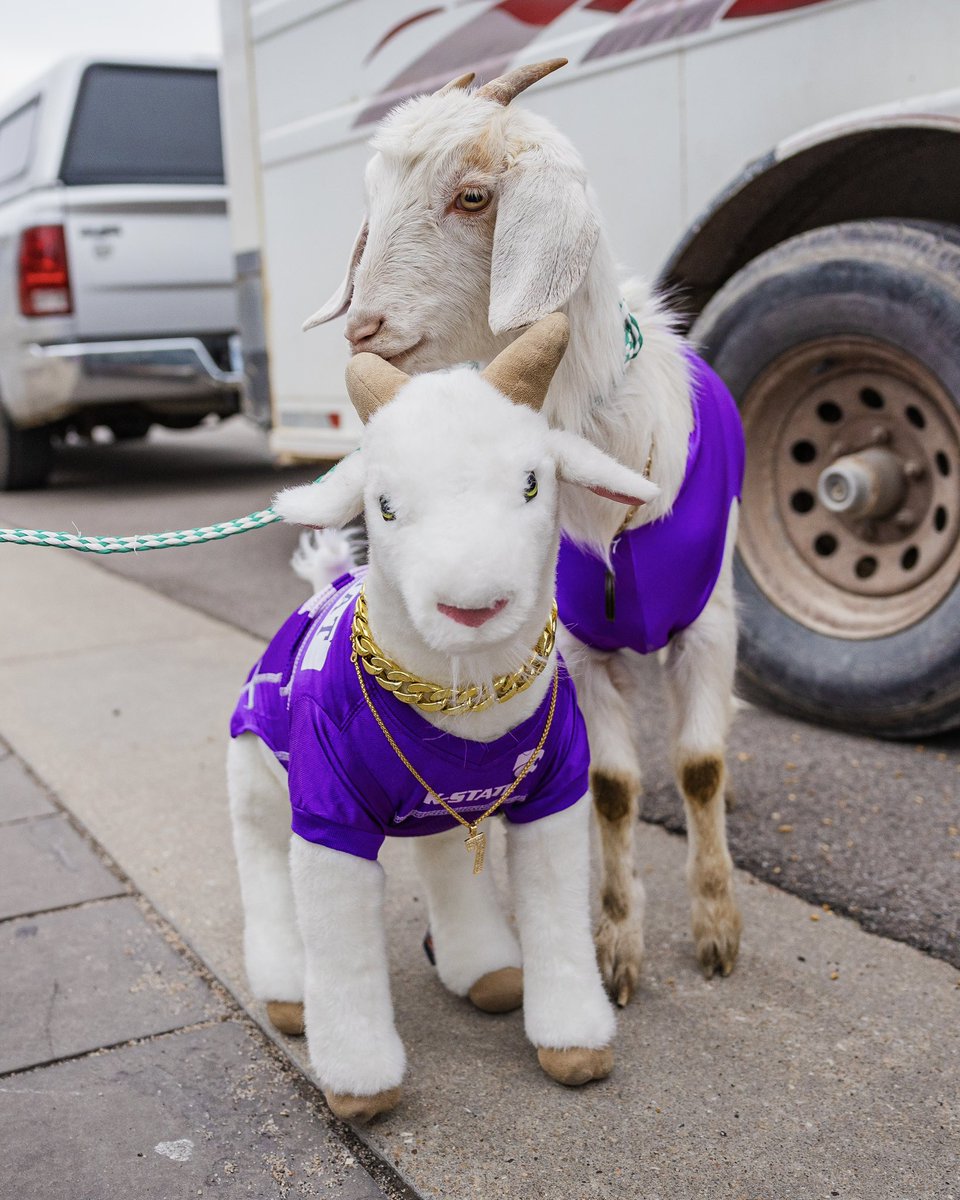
(36, 33)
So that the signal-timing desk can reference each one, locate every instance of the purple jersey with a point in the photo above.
(664, 572)
(348, 788)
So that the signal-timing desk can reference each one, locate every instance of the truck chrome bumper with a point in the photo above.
(181, 360)
(163, 373)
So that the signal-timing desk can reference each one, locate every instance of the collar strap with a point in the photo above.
(632, 337)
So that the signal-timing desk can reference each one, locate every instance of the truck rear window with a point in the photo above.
(144, 125)
(16, 140)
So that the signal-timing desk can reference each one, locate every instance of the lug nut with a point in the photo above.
(879, 435)
(905, 519)
(914, 470)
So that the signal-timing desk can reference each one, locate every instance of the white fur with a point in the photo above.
(436, 286)
(260, 816)
(323, 555)
(470, 933)
(564, 1001)
(354, 1047)
(453, 457)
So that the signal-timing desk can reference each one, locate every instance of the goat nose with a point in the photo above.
(361, 328)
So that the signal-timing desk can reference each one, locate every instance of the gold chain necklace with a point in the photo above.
(432, 697)
(476, 839)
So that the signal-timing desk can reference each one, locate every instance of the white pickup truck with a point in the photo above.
(117, 300)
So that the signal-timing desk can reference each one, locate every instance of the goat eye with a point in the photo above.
(386, 510)
(472, 199)
(531, 489)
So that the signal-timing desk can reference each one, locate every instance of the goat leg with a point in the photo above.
(354, 1048)
(566, 1012)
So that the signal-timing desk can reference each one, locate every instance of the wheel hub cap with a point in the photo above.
(856, 448)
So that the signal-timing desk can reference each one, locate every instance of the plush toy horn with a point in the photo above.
(505, 87)
(461, 83)
(523, 370)
(372, 382)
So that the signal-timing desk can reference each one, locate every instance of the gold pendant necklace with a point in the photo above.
(476, 839)
(433, 697)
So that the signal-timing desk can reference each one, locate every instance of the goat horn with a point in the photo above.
(505, 87)
(372, 382)
(523, 370)
(461, 83)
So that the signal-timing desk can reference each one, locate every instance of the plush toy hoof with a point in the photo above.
(287, 1016)
(498, 991)
(576, 1066)
(361, 1109)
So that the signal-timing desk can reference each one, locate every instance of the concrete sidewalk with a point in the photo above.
(828, 1065)
(125, 1069)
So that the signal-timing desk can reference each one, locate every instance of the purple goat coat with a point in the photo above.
(664, 572)
(348, 788)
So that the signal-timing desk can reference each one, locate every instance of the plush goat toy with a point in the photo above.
(458, 476)
(480, 221)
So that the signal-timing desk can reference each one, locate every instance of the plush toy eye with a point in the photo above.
(472, 199)
(386, 510)
(531, 489)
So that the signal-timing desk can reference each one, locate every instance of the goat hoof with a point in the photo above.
(576, 1066)
(287, 1016)
(498, 991)
(619, 956)
(717, 925)
(361, 1109)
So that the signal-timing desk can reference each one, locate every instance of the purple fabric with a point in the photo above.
(665, 571)
(348, 789)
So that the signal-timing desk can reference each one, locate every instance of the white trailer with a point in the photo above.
(790, 169)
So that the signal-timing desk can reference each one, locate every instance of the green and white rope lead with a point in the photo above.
(141, 541)
(633, 340)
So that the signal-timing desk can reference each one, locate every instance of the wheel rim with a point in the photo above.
(853, 448)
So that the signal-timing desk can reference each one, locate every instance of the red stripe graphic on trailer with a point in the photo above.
(765, 8)
(649, 21)
(534, 12)
(487, 44)
(392, 33)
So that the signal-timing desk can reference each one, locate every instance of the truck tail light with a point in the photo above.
(43, 275)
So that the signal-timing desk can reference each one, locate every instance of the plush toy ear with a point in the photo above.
(544, 239)
(578, 461)
(331, 502)
(339, 302)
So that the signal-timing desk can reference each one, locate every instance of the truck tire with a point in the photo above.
(26, 456)
(842, 347)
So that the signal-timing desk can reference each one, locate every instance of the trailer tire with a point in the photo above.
(840, 340)
(26, 456)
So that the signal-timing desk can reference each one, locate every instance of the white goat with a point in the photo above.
(480, 220)
(460, 490)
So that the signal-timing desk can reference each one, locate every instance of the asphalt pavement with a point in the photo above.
(828, 1065)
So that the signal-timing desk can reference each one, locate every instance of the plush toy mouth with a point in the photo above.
(474, 617)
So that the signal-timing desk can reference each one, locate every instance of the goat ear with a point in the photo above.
(331, 502)
(339, 302)
(578, 461)
(544, 239)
